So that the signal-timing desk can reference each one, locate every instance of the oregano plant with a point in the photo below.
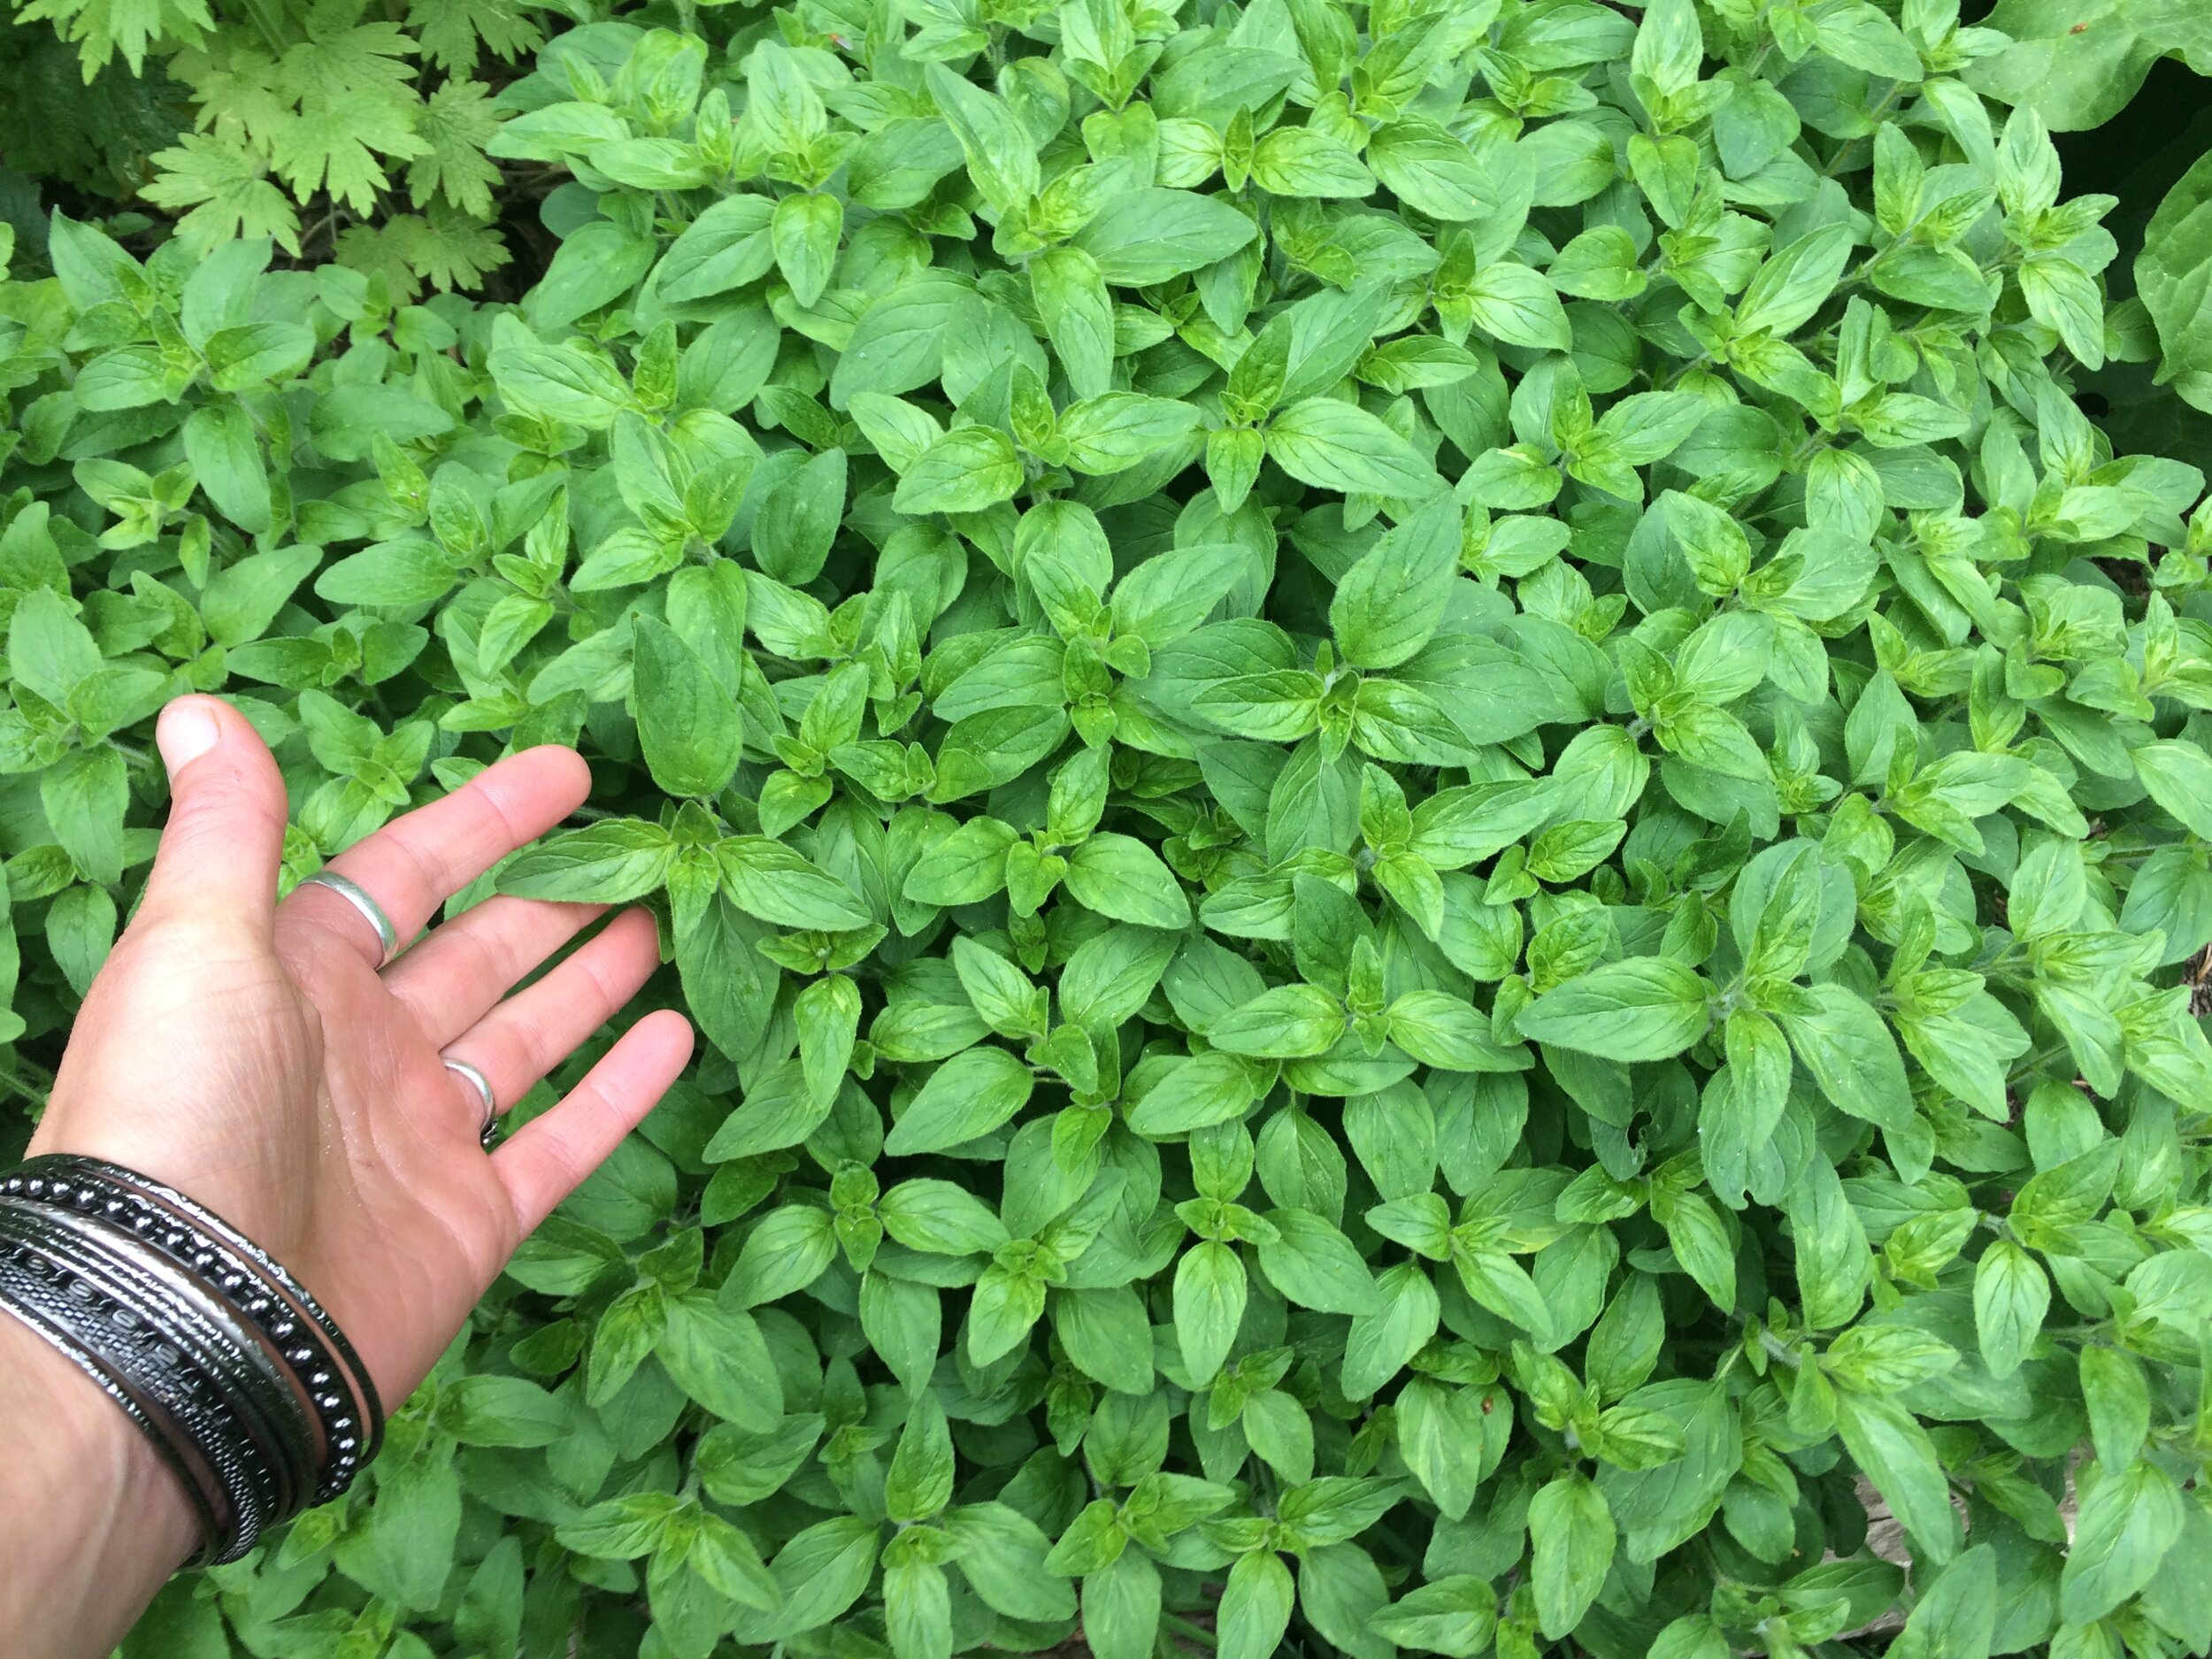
(1440, 817)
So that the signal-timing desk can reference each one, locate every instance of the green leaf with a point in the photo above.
(1255, 1607)
(1641, 1009)
(1284, 1022)
(1209, 1296)
(971, 1094)
(716, 1355)
(1518, 306)
(1794, 283)
(725, 1558)
(503, 1411)
(788, 1250)
(1002, 156)
(1571, 1545)
(1195, 1093)
(967, 470)
(920, 1483)
(1393, 1325)
(411, 571)
(2179, 776)
(1143, 237)
(1003, 1557)
(1388, 604)
(798, 519)
(2011, 1296)
(1454, 1615)
(1445, 1031)
(1336, 445)
(917, 1611)
(687, 725)
(1113, 431)
(1120, 877)
(940, 1217)
(2128, 1522)
(804, 232)
(621, 1529)
(727, 246)
(1889, 1444)
(1851, 1055)
(766, 879)
(1315, 1265)
(2170, 275)
(1070, 290)
(1957, 1614)
(607, 862)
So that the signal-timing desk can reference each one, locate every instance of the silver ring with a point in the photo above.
(478, 1081)
(354, 894)
(489, 1135)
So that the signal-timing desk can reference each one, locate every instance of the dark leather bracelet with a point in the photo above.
(248, 1389)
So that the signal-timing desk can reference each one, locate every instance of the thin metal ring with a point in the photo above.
(354, 894)
(489, 1135)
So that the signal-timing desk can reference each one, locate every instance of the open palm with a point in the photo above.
(252, 1055)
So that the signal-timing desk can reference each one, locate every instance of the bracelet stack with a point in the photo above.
(253, 1397)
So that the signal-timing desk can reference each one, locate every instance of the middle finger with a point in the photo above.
(462, 967)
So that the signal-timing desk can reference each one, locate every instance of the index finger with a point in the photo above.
(417, 862)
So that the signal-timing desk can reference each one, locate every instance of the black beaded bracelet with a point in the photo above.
(248, 1389)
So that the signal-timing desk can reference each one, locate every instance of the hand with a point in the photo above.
(251, 1054)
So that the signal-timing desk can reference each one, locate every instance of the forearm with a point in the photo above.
(91, 1521)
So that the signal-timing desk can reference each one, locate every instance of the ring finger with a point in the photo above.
(462, 967)
(539, 1026)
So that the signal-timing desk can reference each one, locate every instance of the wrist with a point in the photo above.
(92, 1521)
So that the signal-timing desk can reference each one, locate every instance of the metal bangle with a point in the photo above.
(298, 1361)
(202, 1242)
(52, 1303)
(249, 1391)
(356, 1420)
(149, 1348)
(227, 1430)
(232, 1355)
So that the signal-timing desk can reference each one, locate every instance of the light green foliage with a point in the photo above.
(1439, 822)
(313, 120)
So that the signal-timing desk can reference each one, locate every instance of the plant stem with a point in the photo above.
(269, 25)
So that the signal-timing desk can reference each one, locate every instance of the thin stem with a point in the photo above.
(2034, 1063)
(268, 25)
(34, 1092)
(1875, 115)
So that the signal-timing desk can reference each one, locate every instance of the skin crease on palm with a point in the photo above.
(251, 1054)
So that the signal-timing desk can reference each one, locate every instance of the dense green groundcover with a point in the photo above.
(1441, 822)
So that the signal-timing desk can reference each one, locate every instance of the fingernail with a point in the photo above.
(187, 731)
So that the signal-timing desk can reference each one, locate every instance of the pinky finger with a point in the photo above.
(551, 1154)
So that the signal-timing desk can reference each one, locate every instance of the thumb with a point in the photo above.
(225, 839)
